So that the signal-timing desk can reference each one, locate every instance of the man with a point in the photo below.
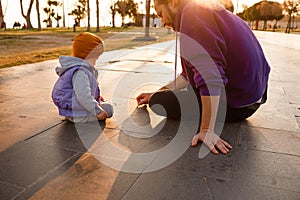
(221, 60)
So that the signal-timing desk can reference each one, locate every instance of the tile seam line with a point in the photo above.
(131, 186)
(273, 152)
(40, 132)
(11, 184)
(271, 129)
(279, 189)
(30, 137)
(140, 174)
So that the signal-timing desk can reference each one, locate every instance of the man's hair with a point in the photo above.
(162, 1)
(226, 3)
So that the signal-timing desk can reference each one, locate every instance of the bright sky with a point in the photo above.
(12, 11)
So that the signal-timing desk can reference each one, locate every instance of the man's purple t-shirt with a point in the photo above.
(219, 49)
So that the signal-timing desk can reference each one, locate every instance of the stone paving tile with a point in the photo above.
(286, 40)
(11, 131)
(143, 142)
(87, 178)
(129, 84)
(8, 139)
(141, 121)
(277, 112)
(127, 116)
(74, 137)
(11, 73)
(25, 163)
(269, 140)
(130, 141)
(247, 188)
(262, 163)
(169, 184)
(8, 191)
(217, 166)
(26, 108)
(162, 52)
(43, 180)
(22, 87)
(139, 67)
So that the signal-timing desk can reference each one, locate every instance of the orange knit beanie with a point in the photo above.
(87, 45)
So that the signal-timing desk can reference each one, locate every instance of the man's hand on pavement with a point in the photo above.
(212, 140)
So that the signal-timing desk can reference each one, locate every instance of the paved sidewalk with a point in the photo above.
(131, 155)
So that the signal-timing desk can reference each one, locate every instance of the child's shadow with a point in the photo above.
(144, 131)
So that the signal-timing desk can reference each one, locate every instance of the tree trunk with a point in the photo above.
(1, 14)
(27, 16)
(64, 15)
(256, 25)
(275, 25)
(89, 16)
(57, 23)
(38, 14)
(98, 24)
(288, 27)
(147, 34)
(123, 19)
(265, 25)
(293, 23)
(113, 18)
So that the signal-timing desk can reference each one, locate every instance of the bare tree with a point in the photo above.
(27, 16)
(37, 3)
(79, 12)
(51, 13)
(97, 8)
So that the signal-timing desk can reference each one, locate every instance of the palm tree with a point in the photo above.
(79, 12)
(97, 7)
(50, 10)
(38, 14)
(27, 16)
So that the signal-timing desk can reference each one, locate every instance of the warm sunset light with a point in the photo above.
(149, 99)
(12, 11)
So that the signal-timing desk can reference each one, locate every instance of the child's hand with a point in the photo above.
(102, 115)
(143, 98)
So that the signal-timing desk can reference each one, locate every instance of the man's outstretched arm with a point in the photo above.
(207, 133)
